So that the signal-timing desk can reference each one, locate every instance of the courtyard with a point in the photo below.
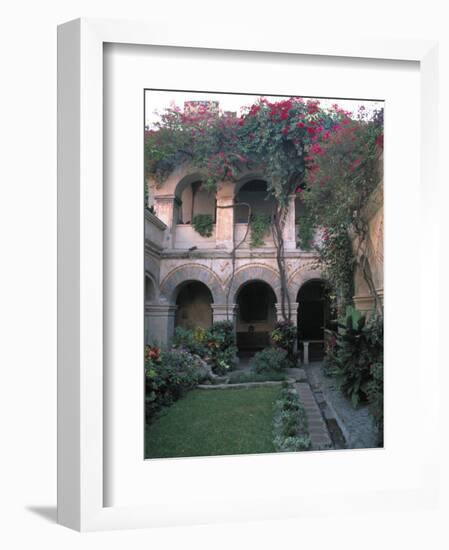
(263, 279)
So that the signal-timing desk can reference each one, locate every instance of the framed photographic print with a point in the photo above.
(223, 294)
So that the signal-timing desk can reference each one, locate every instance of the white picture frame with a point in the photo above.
(81, 488)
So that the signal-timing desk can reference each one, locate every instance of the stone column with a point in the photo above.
(159, 323)
(166, 207)
(223, 312)
(289, 231)
(293, 310)
(224, 229)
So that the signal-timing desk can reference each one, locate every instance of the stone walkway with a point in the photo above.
(356, 425)
(318, 432)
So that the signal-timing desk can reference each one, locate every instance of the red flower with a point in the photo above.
(312, 107)
(300, 125)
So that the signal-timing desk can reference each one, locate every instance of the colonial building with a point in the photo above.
(194, 281)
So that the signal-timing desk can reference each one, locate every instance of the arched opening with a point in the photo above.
(194, 307)
(194, 200)
(253, 192)
(256, 316)
(313, 318)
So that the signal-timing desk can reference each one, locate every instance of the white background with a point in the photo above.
(28, 274)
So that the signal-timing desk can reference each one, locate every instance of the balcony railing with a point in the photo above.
(186, 237)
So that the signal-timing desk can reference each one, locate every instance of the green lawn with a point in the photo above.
(215, 422)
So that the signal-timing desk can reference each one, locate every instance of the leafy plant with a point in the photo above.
(203, 224)
(168, 375)
(375, 392)
(220, 345)
(269, 359)
(358, 346)
(216, 345)
(290, 427)
(192, 341)
(260, 223)
(284, 336)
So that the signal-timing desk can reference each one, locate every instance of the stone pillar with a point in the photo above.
(159, 323)
(293, 311)
(306, 352)
(223, 312)
(224, 229)
(166, 207)
(289, 231)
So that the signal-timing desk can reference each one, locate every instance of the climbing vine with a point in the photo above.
(259, 223)
(325, 155)
(306, 231)
(343, 171)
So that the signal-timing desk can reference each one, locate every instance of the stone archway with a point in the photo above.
(254, 272)
(192, 272)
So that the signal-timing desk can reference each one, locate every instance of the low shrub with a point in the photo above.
(290, 429)
(168, 375)
(269, 360)
(216, 345)
(220, 346)
(284, 336)
(192, 341)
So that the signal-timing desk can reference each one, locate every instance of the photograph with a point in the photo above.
(263, 274)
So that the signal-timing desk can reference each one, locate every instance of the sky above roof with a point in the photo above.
(158, 101)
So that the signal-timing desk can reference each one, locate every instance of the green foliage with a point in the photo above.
(215, 345)
(306, 231)
(168, 375)
(343, 171)
(221, 348)
(260, 223)
(272, 136)
(269, 360)
(203, 224)
(290, 428)
(192, 341)
(375, 392)
(284, 336)
(327, 155)
(338, 262)
(357, 347)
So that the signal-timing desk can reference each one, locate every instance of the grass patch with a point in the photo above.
(244, 377)
(215, 422)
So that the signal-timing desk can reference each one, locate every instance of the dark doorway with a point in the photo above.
(313, 318)
(194, 306)
(256, 316)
